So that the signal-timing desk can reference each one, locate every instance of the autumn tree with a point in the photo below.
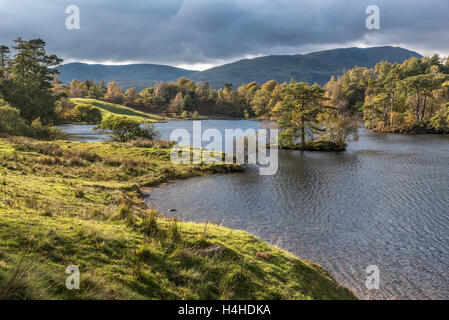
(78, 89)
(177, 104)
(115, 93)
(131, 96)
(266, 98)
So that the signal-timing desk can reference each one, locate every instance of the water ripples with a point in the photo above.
(383, 202)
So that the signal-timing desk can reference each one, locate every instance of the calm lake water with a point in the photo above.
(383, 202)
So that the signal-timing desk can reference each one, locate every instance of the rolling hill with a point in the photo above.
(312, 67)
(126, 76)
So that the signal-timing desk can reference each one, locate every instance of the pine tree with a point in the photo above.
(29, 86)
(298, 110)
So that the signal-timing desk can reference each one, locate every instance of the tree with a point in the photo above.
(64, 108)
(177, 104)
(188, 102)
(4, 59)
(78, 89)
(122, 129)
(131, 96)
(87, 113)
(441, 120)
(59, 89)
(265, 99)
(159, 90)
(28, 88)
(337, 128)
(388, 76)
(96, 92)
(248, 91)
(187, 86)
(298, 109)
(103, 86)
(147, 95)
(115, 93)
(422, 88)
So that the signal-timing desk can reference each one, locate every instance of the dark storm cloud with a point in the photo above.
(206, 31)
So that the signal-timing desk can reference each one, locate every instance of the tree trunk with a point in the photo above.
(424, 108)
(418, 107)
(392, 108)
(303, 134)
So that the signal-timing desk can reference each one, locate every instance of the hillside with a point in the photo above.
(312, 67)
(108, 108)
(126, 76)
(70, 203)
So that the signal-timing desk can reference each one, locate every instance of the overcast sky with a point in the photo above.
(201, 33)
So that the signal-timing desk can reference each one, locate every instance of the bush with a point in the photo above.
(40, 131)
(184, 115)
(11, 122)
(122, 129)
(87, 113)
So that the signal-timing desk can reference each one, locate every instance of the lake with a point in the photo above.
(383, 202)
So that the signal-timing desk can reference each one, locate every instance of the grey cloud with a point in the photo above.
(205, 31)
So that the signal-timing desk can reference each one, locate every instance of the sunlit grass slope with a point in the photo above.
(108, 108)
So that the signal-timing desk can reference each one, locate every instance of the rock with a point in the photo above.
(263, 255)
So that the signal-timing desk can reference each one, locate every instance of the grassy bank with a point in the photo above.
(108, 108)
(68, 203)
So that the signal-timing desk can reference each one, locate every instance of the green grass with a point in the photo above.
(68, 203)
(107, 108)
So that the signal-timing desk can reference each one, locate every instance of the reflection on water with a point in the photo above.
(383, 202)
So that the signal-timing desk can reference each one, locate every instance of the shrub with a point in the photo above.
(122, 129)
(46, 132)
(184, 115)
(440, 121)
(87, 113)
(11, 122)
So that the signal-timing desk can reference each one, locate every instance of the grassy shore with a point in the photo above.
(68, 203)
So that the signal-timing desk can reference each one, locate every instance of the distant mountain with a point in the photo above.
(312, 67)
(126, 76)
